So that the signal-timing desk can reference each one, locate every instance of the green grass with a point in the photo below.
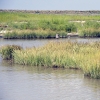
(36, 34)
(18, 16)
(8, 50)
(63, 55)
(90, 32)
(23, 22)
(59, 55)
(90, 29)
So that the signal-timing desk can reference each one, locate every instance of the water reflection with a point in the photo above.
(38, 83)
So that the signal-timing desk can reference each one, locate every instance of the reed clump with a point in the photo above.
(90, 32)
(63, 55)
(90, 29)
(36, 34)
(8, 50)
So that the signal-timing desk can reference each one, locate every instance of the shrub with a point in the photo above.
(70, 27)
(7, 51)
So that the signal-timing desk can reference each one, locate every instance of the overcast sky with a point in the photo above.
(50, 4)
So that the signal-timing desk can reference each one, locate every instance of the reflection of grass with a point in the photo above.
(65, 54)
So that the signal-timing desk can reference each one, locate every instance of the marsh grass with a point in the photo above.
(8, 50)
(23, 17)
(36, 34)
(90, 29)
(63, 55)
(18, 21)
(90, 32)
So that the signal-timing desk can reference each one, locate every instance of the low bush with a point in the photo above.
(70, 27)
(8, 50)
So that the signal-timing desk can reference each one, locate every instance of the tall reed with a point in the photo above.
(36, 34)
(8, 50)
(63, 54)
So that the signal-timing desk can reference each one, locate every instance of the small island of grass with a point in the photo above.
(83, 56)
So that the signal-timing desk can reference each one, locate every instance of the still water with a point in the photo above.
(41, 42)
(36, 83)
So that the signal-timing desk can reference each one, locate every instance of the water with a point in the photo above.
(36, 83)
(41, 42)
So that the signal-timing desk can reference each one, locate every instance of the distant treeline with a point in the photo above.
(88, 12)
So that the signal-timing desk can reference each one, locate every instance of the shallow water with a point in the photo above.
(36, 83)
(41, 42)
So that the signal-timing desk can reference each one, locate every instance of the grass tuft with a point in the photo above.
(63, 55)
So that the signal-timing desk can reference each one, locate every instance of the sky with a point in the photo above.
(50, 4)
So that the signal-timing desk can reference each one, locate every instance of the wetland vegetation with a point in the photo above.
(21, 25)
(84, 56)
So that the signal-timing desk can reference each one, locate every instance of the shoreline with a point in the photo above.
(68, 37)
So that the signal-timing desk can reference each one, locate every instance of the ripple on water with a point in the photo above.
(33, 83)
